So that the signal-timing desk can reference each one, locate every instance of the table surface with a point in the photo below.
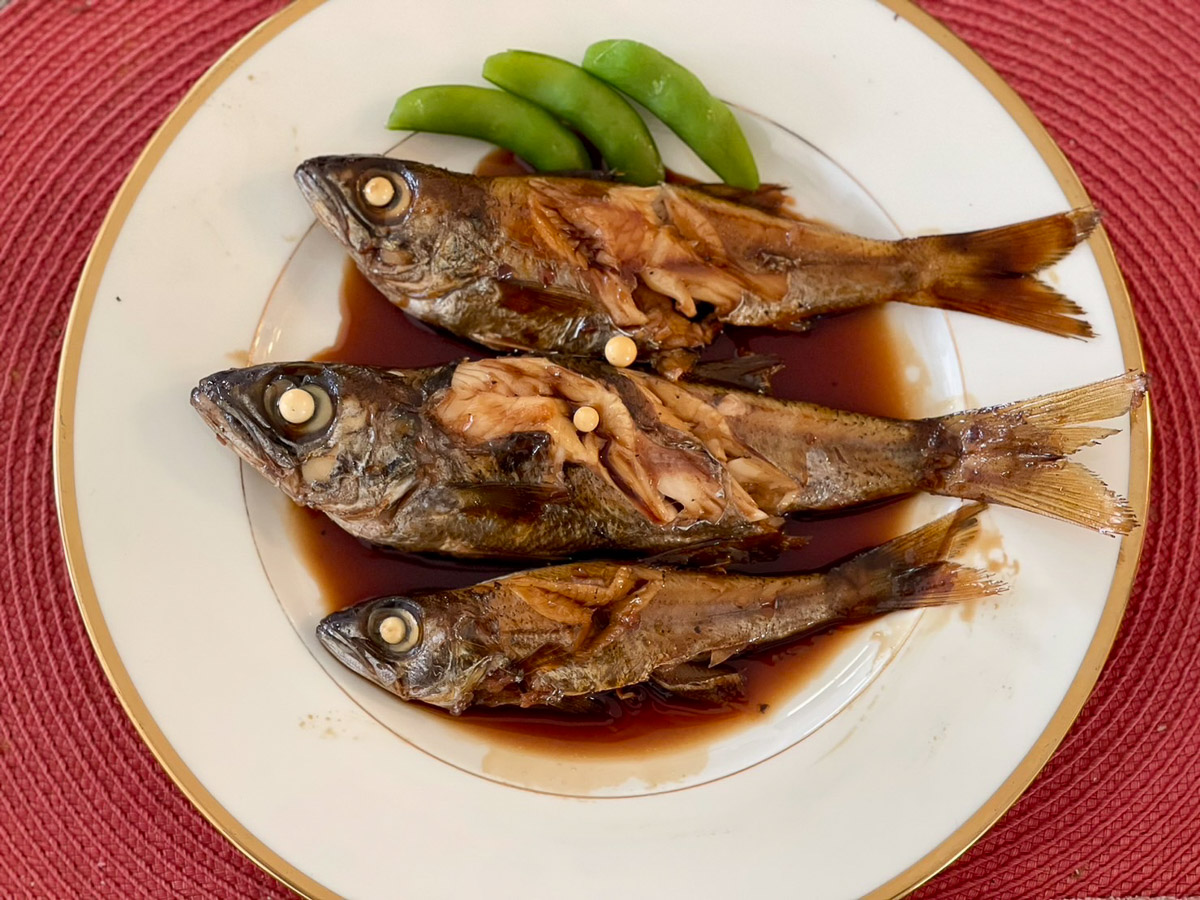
(84, 808)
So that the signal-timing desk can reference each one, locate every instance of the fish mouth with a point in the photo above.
(324, 197)
(233, 427)
(228, 429)
(339, 633)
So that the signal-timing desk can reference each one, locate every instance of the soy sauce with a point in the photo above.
(850, 362)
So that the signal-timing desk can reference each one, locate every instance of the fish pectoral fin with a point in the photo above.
(534, 299)
(487, 497)
(757, 546)
(699, 682)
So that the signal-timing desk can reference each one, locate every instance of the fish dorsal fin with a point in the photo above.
(768, 198)
(750, 372)
(753, 547)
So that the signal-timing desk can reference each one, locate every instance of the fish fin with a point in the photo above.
(717, 657)
(1059, 488)
(1088, 403)
(674, 364)
(936, 584)
(485, 497)
(935, 541)
(912, 571)
(1064, 441)
(750, 372)
(1015, 454)
(533, 299)
(991, 273)
(769, 198)
(747, 372)
(724, 552)
(700, 682)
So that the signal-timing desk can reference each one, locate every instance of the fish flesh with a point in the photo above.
(563, 264)
(483, 458)
(553, 636)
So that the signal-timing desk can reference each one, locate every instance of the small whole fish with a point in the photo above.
(553, 636)
(484, 458)
(562, 265)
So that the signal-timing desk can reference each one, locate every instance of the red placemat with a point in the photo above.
(84, 808)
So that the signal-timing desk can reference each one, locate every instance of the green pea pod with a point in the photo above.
(685, 106)
(585, 103)
(496, 116)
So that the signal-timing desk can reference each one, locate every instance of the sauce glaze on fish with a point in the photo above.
(667, 265)
(481, 458)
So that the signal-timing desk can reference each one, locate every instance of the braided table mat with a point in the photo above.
(84, 808)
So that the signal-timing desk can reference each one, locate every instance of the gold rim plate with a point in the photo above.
(64, 466)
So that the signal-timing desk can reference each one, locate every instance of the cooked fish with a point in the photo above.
(485, 458)
(552, 636)
(562, 265)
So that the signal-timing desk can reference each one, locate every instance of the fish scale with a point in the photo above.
(533, 639)
(666, 265)
(482, 459)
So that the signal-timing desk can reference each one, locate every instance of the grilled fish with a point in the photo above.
(562, 265)
(483, 458)
(552, 636)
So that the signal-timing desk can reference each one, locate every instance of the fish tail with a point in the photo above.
(993, 272)
(1016, 454)
(914, 570)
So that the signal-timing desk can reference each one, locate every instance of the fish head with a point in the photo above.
(420, 647)
(338, 438)
(413, 230)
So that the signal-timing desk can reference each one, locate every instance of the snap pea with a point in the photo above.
(677, 97)
(585, 103)
(496, 116)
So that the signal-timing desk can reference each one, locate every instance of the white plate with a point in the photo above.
(312, 780)
(302, 318)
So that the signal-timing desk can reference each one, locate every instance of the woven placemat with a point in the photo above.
(84, 808)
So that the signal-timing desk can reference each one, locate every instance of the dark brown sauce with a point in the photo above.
(849, 362)
(650, 719)
(502, 162)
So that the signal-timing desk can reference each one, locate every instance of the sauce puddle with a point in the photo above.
(850, 362)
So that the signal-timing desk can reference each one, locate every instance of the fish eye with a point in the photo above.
(386, 194)
(395, 628)
(300, 409)
(297, 405)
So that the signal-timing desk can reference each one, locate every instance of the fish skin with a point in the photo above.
(481, 459)
(549, 637)
(558, 264)
(401, 479)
